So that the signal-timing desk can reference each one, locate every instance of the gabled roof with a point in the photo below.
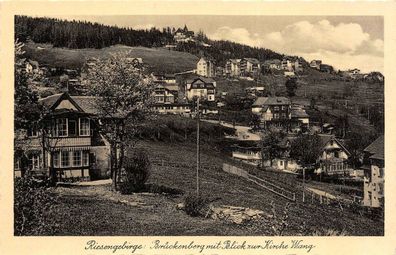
(376, 148)
(53, 101)
(253, 60)
(261, 101)
(325, 139)
(203, 79)
(86, 104)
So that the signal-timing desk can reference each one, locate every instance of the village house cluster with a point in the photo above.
(75, 147)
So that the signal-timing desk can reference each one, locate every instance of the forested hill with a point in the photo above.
(82, 34)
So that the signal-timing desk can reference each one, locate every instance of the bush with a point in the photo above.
(33, 206)
(136, 172)
(195, 204)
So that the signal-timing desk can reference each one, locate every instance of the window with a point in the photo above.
(61, 127)
(276, 108)
(381, 172)
(380, 188)
(34, 162)
(84, 127)
(276, 116)
(283, 107)
(76, 158)
(72, 128)
(85, 158)
(32, 131)
(65, 159)
(55, 158)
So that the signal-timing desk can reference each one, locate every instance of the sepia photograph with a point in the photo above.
(199, 125)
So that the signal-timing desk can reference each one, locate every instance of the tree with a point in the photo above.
(291, 87)
(26, 107)
(356, 142)
(123, 97)
(306, 149)
(270, 144)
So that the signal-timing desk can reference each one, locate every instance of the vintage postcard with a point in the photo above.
(197, 128)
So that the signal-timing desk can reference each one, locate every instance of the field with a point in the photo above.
(157, 59)
(88, 211)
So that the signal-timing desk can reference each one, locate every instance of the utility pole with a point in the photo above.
(198, 149)
(303, 198)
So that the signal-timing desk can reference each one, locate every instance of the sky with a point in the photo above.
(342, 41)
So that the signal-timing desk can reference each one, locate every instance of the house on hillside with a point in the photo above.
(374, 176)
(272, 109)
(272, 64)
(206, 67)
(164, 78)
(202, 87)
(249, 67)
(333, 159)
(183, 35)
(287, 65)
(299, 119)
(254, 91)
(254, 156)
(164, 95)
(172, 108)
(315, 64)
(298, 67)
(73, 142)
(250, 155)
(233, 67)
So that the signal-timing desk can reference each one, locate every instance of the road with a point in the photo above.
(242, 132)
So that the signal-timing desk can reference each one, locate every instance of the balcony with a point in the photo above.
(70, 141)
(246, 156)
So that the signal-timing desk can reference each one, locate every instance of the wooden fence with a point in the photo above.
(260, 182)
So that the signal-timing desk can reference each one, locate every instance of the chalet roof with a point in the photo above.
(85, 103)
(171, 86)
(261, 101)
(204, 79)
(376, 148)
(253, 60)
(50, 100)
(325, 139)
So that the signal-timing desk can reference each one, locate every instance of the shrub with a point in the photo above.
(33, 206)
(136, 172)
(195, 204)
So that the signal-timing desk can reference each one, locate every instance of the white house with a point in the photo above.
(206, 67)
(201, 87)
(374, 175)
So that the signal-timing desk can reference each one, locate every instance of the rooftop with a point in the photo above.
(376, 148)
(260, 101)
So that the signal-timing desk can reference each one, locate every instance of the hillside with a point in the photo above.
(85, 211)
(157, 59)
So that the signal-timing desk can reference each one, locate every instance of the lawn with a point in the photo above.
(157, 59)
(92, 212)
